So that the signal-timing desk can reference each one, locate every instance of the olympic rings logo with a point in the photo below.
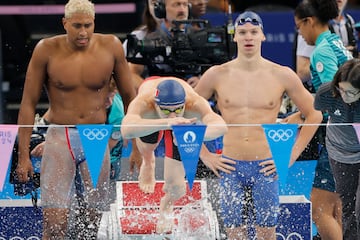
(95, 133)
(291, 236)
(280, 135)
(189, 149)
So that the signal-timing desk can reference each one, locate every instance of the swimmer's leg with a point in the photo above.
(147, 169)
(57, 178)
(174, 189)
(91, 201)
(79, 218)
(55, 224)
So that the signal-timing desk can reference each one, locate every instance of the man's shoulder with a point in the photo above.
(224, 66)
(279, 71)
(56, 39)
(268, 64)
(52, 42)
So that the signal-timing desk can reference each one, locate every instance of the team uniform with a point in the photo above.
(344, 153)
(328, 55)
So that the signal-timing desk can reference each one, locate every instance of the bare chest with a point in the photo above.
(254, 92)
(70, 70)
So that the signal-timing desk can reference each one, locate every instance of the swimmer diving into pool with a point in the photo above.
(161, 103)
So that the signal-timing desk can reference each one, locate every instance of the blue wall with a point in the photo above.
(279, 29)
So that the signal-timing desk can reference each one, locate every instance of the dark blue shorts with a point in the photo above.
(247, 193)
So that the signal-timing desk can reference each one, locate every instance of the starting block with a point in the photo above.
(138, 212)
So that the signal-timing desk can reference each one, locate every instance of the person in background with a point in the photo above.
(219, 5)
(161, 103)
(249, 91)
(150, 24)
(75, 68)
(198, 9)
(340, 100)
(312, 21)
(343, 25)
(167, 11)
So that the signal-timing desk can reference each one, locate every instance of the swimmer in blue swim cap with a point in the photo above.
(161, 103)
(249, 17)
(170, 98)
(169, 93)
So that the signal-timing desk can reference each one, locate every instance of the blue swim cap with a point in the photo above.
(249, 17)
(169, 92)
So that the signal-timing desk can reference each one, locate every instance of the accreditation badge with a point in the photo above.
(319, 67)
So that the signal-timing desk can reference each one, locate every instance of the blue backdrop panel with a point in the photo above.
(20, 223)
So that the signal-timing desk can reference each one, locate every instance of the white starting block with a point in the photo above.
(138, 213)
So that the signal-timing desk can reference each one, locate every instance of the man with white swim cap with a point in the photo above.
(161, 103)
(249, 90)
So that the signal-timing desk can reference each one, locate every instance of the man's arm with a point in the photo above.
(304, 101)
(122, 74)
(216, 125)
(303, 68)
(205, 85)
(134, 125)
(35, 77)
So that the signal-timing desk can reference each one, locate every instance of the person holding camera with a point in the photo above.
(164, 12)
(149, 24)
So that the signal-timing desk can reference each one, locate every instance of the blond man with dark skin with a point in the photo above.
(75, 69)
(249, 91)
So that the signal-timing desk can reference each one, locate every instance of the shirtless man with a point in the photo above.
(160, 104)
(249, 90)
(75, 69)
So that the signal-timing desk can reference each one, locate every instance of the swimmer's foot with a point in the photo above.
(147, 177)
(165, 224)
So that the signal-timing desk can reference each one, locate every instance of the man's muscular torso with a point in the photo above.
(77, 90)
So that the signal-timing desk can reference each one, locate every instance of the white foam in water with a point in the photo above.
(194, 222)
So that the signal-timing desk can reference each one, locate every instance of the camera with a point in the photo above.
(188, 53)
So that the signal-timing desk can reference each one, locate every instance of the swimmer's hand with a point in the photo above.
(294, 118)
(24, 170)
(217, 163)
(180, 121)
(38, 150)
(268, 167)
(135, 158)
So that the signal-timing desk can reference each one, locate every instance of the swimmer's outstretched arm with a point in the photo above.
(135, 125)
